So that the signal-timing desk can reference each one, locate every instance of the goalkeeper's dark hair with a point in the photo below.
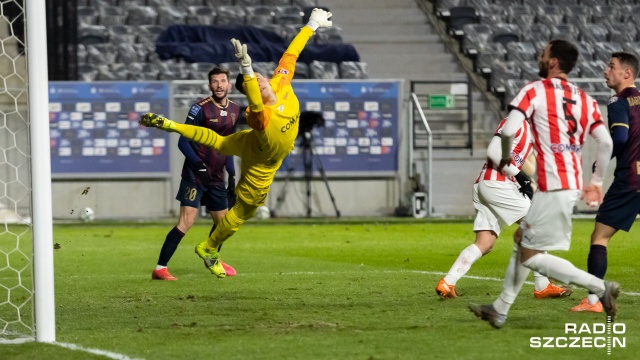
(627, 59)
(218, 70)
(565, 52)
(240, 83)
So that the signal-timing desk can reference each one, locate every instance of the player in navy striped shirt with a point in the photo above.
(621, 203)
(203, 180)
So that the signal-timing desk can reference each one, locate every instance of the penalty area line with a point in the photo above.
(105, 353)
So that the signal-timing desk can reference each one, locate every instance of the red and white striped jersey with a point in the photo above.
(521, 146)
(561, 114)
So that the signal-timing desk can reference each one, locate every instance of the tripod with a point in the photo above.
(308, 155)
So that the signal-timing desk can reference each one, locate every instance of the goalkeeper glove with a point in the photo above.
(157, 121)
(319, 18)
(525, 184)
(240, 52)
(231, 191)
(202, 172)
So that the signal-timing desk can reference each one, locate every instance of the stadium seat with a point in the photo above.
(265, 68)
(602, 50)
(122, 34)
(501, 71)
(302, 71)
(141, 15)
(564, 31)
(98, 54)
(521, 15)
(577, 14)
(199, 71)
(521, 51)
(173, 71)
(563, 2)
(622, 32)
(475, 36)
(87, 72)
(186, 4)
(111, 15)
(585, 50)
(494, 14)
(528, 70)
(324, 70)
(200, 15)
(549, 15)
(593, 33)
(512, 87)
(353, 70)
(631, 47)
(478, 4)
(591, 69)
(230, 15)
(81, 54)
(92, 34)
(305, 3)
(143, 71)
(87, 16)
(505, 33)
(276, 2)
(288, 15)
(169, 15)
(113, 72)
(605, 13)
(259, 15)
(233, 67)
(622, 2)
(441, 7)
(487, 55)
(537, 34)
(147, 34)
(331, 35)
(128, 53)
(459, 17)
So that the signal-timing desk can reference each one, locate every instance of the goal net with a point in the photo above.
(21, 158)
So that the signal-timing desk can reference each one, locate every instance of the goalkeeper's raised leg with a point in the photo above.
(198, 134)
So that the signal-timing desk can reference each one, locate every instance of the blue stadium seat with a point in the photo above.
(230, 15)
(459, 17)
(122, 34)
(505, 33)
(147, 34)
(331, 35)
(537, 34)
(87, 16)
(92, 34)
(142, 15)
(112, 15)
(549, 15)
(529, 70)
(259, 15)
(169, 15)
(521, 15)
(441, 7)
(564, 31)
(475, 36)
(522, 51)
(501, 71)
(487, 55)
(494, 14)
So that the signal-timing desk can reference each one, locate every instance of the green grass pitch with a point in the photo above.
(311, 290)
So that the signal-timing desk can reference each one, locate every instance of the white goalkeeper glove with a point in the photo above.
(319, 19)
(240, 52)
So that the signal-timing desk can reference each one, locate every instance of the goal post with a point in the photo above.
(42, 212)
(27, 310)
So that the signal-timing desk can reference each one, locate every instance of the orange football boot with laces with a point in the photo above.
(584, 306)
(552, 291)
(445, 290)
(162, 274)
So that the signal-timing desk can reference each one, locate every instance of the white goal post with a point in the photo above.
(27, 310)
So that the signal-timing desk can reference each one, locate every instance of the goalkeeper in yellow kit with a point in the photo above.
(273, 115)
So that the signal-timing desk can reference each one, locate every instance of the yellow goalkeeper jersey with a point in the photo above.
(275, 127)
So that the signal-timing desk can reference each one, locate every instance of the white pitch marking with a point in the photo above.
(108, 354)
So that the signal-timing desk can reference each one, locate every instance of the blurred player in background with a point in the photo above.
(203, 182)
(561, 114)
(273, 115)
(499, 202)
(621, 203)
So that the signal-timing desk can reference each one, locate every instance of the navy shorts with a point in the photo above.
(214, 197)
(619, 209)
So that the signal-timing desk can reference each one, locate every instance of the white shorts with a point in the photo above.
(497, 204)
(547, 226)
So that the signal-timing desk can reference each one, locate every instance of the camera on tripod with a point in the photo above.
(309, 120)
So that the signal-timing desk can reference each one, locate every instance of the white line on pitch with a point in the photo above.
(108, 354)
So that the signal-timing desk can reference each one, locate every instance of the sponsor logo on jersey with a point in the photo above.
(283, 71)
(281, 108)
(223, 112)
(558, 148)
(214, 120)
(613, 99)
(195, 109)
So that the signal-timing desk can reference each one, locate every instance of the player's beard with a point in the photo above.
(219, 99)
(544, 69)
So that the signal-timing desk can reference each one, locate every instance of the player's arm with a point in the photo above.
(618, 113)
(186, 146)
(511, 126)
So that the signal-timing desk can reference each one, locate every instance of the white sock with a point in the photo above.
(541, 282)
(160, 267)
(514, 278)
(463, 263)
(563, 270)
(593, 299)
